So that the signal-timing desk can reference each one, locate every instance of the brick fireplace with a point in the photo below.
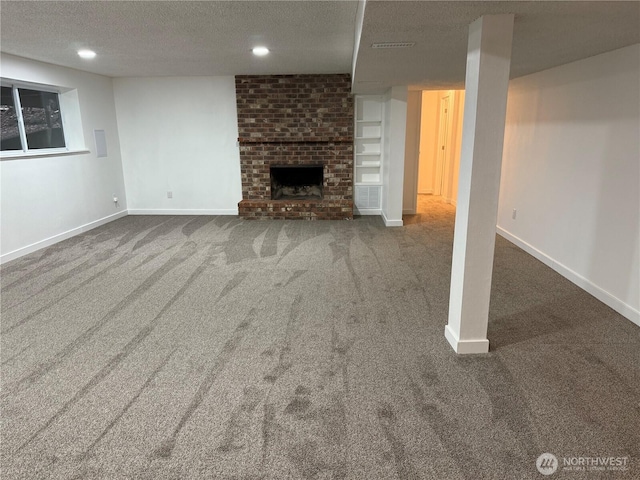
(288, 126)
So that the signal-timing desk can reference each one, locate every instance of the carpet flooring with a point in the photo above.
(210, 347)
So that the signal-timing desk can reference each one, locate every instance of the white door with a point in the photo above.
(443, 136)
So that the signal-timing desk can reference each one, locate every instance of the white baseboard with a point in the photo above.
(193, 211)
(391, 223)
(47, 242)
(367, 211)
(465, 346)
(409, 211)
(605, 297)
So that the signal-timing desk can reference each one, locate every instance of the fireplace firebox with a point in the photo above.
(302, 182)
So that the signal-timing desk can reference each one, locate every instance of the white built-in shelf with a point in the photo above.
(368, 176)
(368, 129)
(368, 108)
(368, 148)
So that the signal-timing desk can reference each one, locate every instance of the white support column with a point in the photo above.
(395, 123)
(487, 82)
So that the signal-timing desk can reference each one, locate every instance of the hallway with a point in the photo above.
(431, 209)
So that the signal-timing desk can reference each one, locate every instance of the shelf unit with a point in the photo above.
(368, 151)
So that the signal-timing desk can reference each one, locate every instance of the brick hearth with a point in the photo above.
(295, 120)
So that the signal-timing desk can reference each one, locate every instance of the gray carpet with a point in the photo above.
(217, 348)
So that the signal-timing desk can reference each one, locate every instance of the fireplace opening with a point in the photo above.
(296, 183)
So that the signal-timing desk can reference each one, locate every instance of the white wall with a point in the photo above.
(428, 141)
(412, 152)
(395, 119)
(179, 134)
(48, 199)
(571, 168)
(455, 148)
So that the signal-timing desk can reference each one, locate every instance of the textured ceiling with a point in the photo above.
(162, 38)
(546, 34)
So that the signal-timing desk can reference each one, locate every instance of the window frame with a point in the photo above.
(26, 151)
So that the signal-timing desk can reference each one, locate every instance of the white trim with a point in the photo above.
(465, 347)
(20, 154)
(605, 297)
(59, 237)
(22, 133)
(391, 223)
(26, 152)
(366, 211)
(356, 40)
(44, 87)
(409, 211)
(177, 211)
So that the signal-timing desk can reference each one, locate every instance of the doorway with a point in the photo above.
(440, 135)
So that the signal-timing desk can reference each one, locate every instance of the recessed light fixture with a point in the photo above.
(260, 51)
(86, 54)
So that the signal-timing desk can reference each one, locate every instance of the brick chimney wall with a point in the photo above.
(295, 120)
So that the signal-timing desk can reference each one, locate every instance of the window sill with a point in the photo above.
(57, 153)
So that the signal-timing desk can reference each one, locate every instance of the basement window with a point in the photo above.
(31, 120)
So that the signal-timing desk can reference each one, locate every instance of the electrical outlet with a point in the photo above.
(169, 194)
(514, 213)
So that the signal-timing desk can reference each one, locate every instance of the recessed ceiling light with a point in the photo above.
(87, 54)
(260, 51)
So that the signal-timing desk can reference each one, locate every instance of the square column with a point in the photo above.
(486, 85)
(395, 118)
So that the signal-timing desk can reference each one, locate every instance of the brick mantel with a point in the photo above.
(295, 120)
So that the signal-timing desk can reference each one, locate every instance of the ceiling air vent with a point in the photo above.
(393, 45)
